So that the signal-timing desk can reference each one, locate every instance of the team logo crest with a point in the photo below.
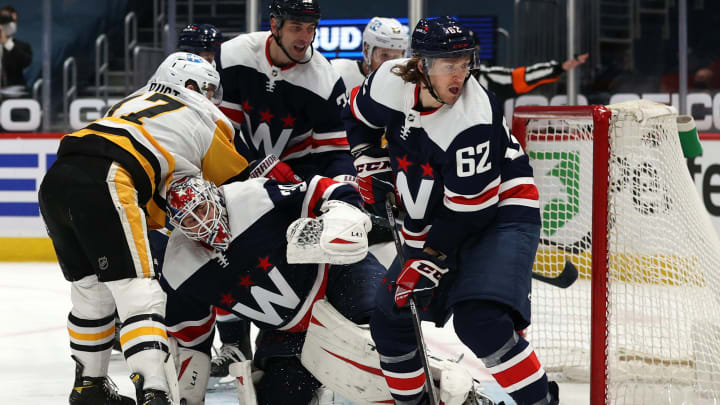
(103, 263)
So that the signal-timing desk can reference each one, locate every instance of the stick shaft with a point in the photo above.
(417, 325)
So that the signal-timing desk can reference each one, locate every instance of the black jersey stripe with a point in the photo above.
(145, 152)
(153, 345)
(90, 323)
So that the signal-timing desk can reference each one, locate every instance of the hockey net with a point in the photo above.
(617, 200)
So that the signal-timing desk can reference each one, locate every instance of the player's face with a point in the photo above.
(195, 223)
(448, 77)
(296, 37)
(380, 55)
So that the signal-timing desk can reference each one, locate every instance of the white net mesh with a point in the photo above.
(663, 259)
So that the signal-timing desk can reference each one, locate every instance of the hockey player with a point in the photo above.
(383, 39)
(201, 39)
(231, 252)
(285, 100)
(471, 220)
(105, 189)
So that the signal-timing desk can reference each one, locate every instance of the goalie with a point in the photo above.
(261, 249)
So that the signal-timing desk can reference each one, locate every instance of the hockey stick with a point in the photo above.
(565, 279)
(390, 207)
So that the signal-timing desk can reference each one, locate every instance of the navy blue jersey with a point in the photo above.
(457, 168)
(292, 112)
(252, 278)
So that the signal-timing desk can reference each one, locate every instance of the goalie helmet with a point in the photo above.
(295, 10)
(196, 207)
(196, 38)
(181, 68)
(383, 33)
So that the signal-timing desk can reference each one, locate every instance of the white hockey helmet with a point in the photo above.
(179, 68)
(383, 33)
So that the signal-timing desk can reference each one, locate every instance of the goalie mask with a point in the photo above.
(196, 208)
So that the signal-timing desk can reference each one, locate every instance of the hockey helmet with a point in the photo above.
(196, 38)
(295, 10)
(442, 37)
(196, 207)
(383, 33)
(179, 68)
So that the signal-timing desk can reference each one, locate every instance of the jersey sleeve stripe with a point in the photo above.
(321, 136)
(311, 145)
(191, 333)
(356, 112)
(475, 202)
(234, 113)
(520, 82)
(415, 239)
(319, 188)
(301, 320)
(512, 183)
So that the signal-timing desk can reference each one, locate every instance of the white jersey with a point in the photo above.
(350, 71)
(158, 132)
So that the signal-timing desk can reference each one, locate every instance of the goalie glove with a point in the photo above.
(419, 277)
(272, 168)
(338, 236)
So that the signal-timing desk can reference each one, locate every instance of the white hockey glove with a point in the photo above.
(338, 236)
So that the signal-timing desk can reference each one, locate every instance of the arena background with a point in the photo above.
(88, 54)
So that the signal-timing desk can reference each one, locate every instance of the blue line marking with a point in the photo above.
(17, 184)
(19, 209)
(18, 160)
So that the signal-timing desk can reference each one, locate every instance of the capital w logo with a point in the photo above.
(287, 298)
(262, 138)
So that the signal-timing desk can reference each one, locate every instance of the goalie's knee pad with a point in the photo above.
(338, 236)
(342, 356)
(193, 375)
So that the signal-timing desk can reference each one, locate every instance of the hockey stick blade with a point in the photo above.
(565, 279)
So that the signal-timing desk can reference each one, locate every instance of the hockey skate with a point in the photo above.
(95, 390)
(219, 375)
(148, 396)
(554, 390)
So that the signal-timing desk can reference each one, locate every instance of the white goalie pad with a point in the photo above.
(338, 236)
(242, 371)
(193, 375)
(342, 356)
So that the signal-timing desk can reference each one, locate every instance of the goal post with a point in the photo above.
(641, 324)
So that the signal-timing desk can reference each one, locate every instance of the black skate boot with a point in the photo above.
(148, 396)
(95, 390)
(554, 393)
(228, 353)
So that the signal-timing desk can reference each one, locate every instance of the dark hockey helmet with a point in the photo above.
(442, 37)
(295, 10)
(196, 38)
